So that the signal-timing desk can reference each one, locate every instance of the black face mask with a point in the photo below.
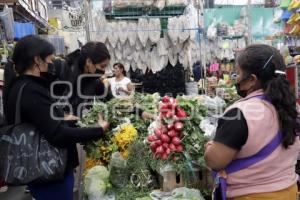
(241, 93)
(51, 75)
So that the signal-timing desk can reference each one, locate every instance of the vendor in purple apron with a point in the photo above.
(256, 146)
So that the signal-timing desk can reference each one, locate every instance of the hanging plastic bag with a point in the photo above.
(212, 30)
(119, 175)
(107, 5)
(8, 21)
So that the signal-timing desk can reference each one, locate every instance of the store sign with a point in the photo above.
(76, 20)
(214, 67)
(71, 19)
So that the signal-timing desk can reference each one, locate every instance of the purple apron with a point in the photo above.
(220, 184)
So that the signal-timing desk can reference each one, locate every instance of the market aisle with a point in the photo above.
(15, 193)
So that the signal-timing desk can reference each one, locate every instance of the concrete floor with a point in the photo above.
(15, 193)
(18, 193)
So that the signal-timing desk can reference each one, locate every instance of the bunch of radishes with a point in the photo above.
(166, 140)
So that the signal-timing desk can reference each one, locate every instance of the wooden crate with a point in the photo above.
(196, 178)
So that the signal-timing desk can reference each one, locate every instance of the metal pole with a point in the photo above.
(203, 46)
(87, 20)
(249, 37)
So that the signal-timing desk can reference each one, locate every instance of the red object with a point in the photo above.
(2, 184)
(292, 76)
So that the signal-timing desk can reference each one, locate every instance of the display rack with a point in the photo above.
(135, 13)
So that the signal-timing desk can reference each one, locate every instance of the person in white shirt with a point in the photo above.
(120, 85)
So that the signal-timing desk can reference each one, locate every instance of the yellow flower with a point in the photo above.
(125, 136)
(90, 163)
(125, 154)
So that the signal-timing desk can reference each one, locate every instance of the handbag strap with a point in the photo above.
(18, 104)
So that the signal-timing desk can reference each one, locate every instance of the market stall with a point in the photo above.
(138, 158)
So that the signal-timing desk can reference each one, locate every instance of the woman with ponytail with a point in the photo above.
(255, 148)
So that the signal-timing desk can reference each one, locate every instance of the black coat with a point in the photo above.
(36, 109)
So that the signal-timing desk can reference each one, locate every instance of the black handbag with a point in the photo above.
(26, 157)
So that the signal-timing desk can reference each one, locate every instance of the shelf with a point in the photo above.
(135, 13)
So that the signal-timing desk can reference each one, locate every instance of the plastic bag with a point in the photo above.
(177, 194)
(119, 175)
(107, 5)
(209, 126)
(185, 194)
(8, 20)
(96, 182)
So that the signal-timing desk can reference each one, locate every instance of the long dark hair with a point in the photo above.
(121, 67)
(96, 51)
(22, 59)
(264, 61)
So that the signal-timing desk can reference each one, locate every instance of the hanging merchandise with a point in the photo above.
(23, 29)
(112, 36)
(6, 16)
(176, 2)
(132, 34)
(57, 41)
(128, 3)
(173, 27)
(143, 33)
(183, 31)
(160, 4)
(100, 23)
(150, 42)
(107, 5)
(154, 24)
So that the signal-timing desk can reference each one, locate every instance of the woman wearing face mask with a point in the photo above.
(92, 59)
(120, 85)
(31, 57)
(256, 146)
(90, 62)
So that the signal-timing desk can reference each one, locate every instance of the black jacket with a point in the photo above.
(36, 109)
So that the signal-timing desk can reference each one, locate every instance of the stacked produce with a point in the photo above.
(165, 143)
(136, 150)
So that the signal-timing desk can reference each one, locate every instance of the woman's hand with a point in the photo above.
(104, 124)
(147, 116)
(70, 118)
(208, 144)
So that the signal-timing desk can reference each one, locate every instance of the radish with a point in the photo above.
(175, 158)
(176, 141)
(164, 108)
(179, 148)
(151, 138)
(165, 138)
(170, 126)
(158, 142)
(169, 114)
(159, 150)
(165, 145)
(181, 114)
(172, 147)
(153, 147)
(168, 151)
(158, 132)
(178, 126)
(172, 133)
(163, 129)
(164, 156)
(166, 99)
